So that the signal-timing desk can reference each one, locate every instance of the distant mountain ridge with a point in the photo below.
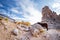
(5, 16)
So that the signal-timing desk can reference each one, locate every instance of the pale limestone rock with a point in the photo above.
(36, 29)
(23, 28)
(15, 32)
(53, 34)
(51, 18)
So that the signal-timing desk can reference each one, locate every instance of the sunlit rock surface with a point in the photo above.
(51, 18)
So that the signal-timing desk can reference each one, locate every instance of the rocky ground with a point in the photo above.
(10, 31)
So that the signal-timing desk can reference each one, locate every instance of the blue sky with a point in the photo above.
(27, 10)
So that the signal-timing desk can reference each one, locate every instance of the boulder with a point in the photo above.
(15, 32)
(36, 29)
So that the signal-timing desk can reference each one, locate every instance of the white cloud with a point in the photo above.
(1, 5)
(56, 0)
(35, 16)
(2, 11)
(28, 6)
(56, 5)
(58, 12)
(14, 10)
(19, 19)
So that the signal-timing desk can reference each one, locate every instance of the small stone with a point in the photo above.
(15, 32)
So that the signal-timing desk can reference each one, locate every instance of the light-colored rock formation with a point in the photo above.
(53, 34)
(36, 29)
(23, 27)
(15, 32)
(51, 18)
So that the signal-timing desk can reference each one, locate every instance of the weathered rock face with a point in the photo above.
(46, 12)
(51, 18)
(36, 29)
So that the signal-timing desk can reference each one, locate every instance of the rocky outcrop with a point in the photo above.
(36, 29)
(51, 18)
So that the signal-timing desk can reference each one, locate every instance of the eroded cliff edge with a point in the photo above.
(51, 18)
